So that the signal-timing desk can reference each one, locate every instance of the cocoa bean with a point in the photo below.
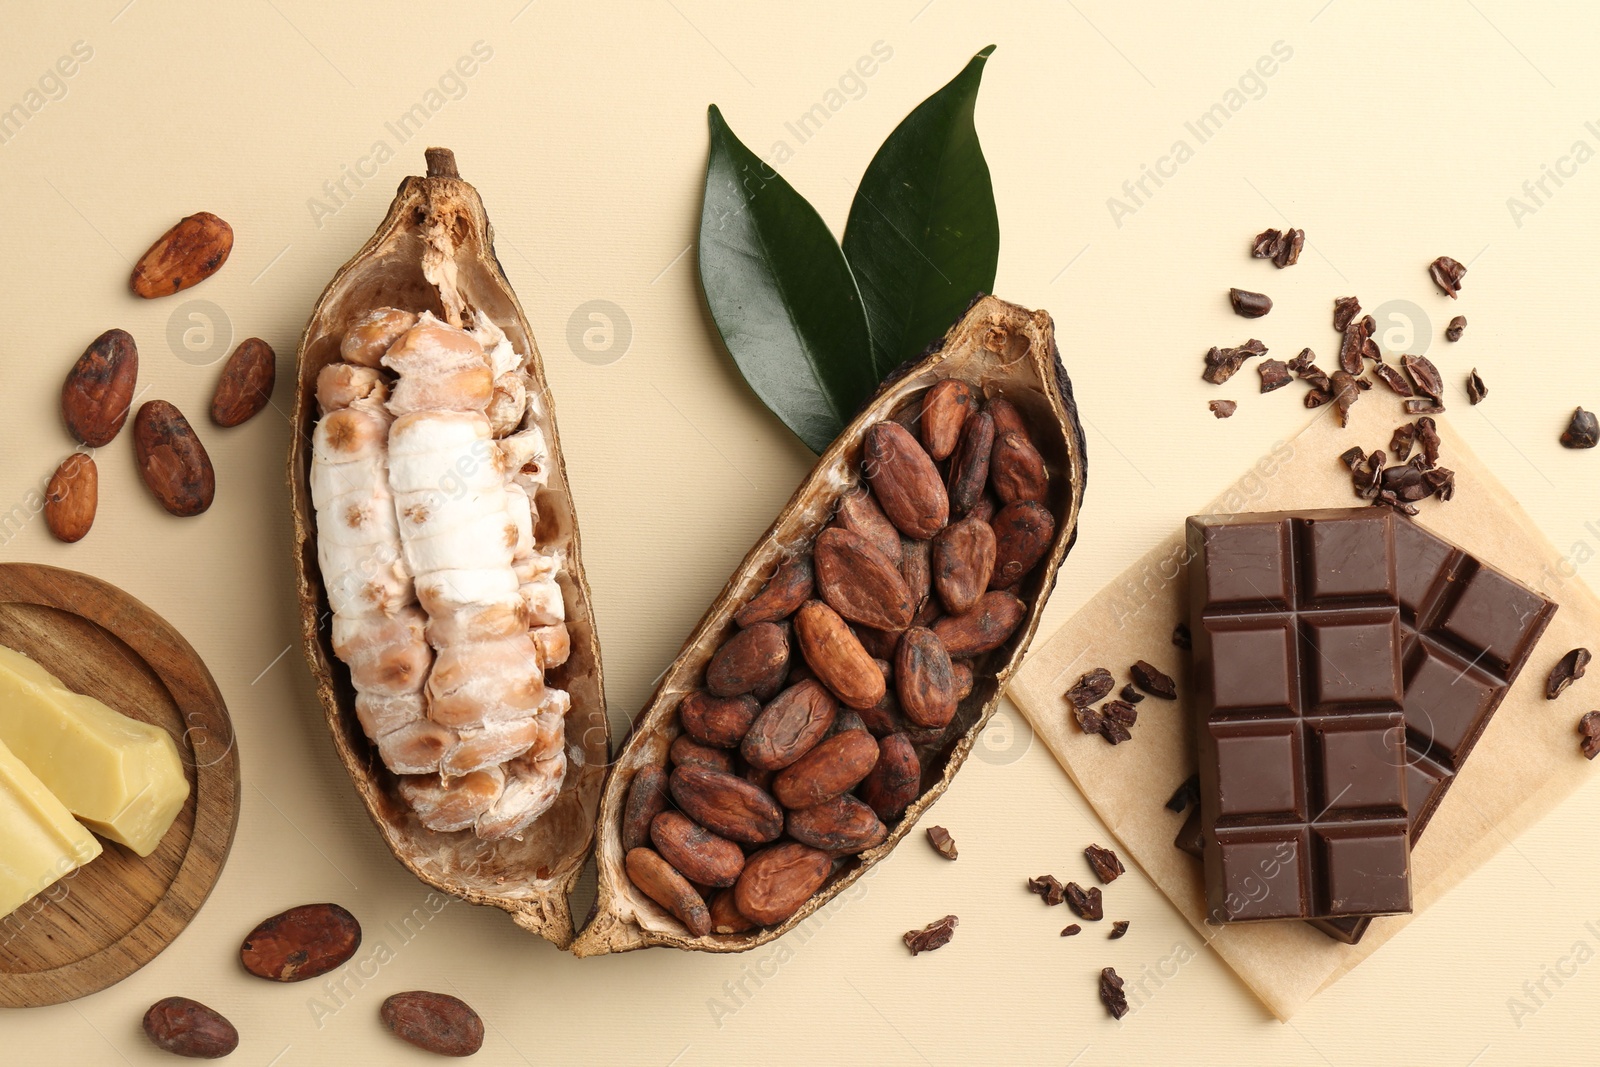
(726, 918)
(301, 943)
(433, 1022)
(99, 388)
(984, 509)
(647, 798)
(188, 1028)
(994, 618)
(963, 561)
(787, 728)
(1016, 469)
(833, 767)
(895, 780)
(842, 826)
(962, 670)
(860, 583)
(880, 644)
(754, 658)
(71, 498)
(246, 383)
(924, 679)
(727, 805)
(1022, 532)
(904, 480)
(836, 656)
(790, 587)
(916, 567)
(720, 722)
(697, 853)
(190, 252)
(945, 407)
(858, 512)
(778, 880)
(759, 777)
(969, 469)
(658, 880)
(687, 752)
(1007, 419)
(172, 460)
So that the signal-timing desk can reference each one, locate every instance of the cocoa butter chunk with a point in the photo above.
(1118, 929)
(1091, 688)
(942, 842)
(934, 935)
(1049, 888)
(1111, 994)
(1085, 903)
(1568, 669)
(1105, 863)
(1153, 681)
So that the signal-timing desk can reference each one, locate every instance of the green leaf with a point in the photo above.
(924, 237)
(781, 293)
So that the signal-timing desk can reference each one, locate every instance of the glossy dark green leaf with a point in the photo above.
(781, 293)
(924, 237)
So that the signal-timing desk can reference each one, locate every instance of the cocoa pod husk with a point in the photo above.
(994, 618)
(904, 480)
(1023, 531)
(858, 512)
(72, 498)
(895, 780)
(726, 918)
(755, 658)
(303, 942)
(661, 882)
(861, 583)
(924, 679)
(777, 880)
(790, 724)
(687, 752)
(963, 563)
(434, 1022)
(945, 408)
(726, 805)
(969, 468)
(245, 386)
(836, 657)
(834, 767)
(697, 853)
(1017, 470)
(98, 390)
(172, 460)
(720, 722)
(842, 826)
(192, 251)
(647, 798)
(783, 594)
(188, 1028)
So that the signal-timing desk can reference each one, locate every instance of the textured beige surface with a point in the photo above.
(1393, 133)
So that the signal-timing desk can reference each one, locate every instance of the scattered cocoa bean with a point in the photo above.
(1017, 470)
(963, 563)
(861, 583)
(858, 512)
(934, 935)
(752, 659)
(721, 722)
(98, 391)
(788, 727)
(836, 656)
(188, 1028)
(895, 780)
(1022, 531)
(433, 1022)
(842, 826)
(726, 805)
(925, 679)
(647, 798)
(190, 252)
(945, 409)
(245, 386)
(685, 751)
(726, 918)
(969, 467)
(72, 497)
(986, 627)
(790, 587)
(835, 766)
(172, 460)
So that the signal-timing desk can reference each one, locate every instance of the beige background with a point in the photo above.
(1390, 134)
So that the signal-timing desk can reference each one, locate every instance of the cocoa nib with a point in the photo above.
(1566, 671)
(942, 842)
(1111, 994)
(934, 935)
(1457, 326)
(1476, 390)
(1345, 310)
(1446, 274)
(1085, 903)
(1049, 887)
(1281, 246)
(1427, 433)
(1223, 409)
(1091, 688)
(1153, 681)
(1181, 636)
(1105, 863)
(1118, 929)
(1130, 693)
(1346, 391)
(1400, 443)
(1425, 375)
(1186, 795)
(1224, 363)
(1073, 929)
(1589, 741)
(1274, 374)
(1396, 381)
(1249, 305)
(1583, 431)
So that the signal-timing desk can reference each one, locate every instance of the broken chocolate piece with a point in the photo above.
(934, 935)
(1153, 681)
(1476, 390)
(1457, 326)
(1049, 887)
(1223, 409)
(1566, 671)
(1249, 305)
(1446, 274)
(1111, 994)
(1186, 795)
(1085, 903)
(1118, 928)
(942, 842)
(1583, 431)
(1274, 374)
(1091, 688)
(1105, 863)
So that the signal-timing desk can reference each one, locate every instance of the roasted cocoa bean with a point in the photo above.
(647, 798)
(697, 853)
(245, 386)
(778, 880)
(833, 767)
(1007, 419)
(687, 752)
(836, 655)
(98, 391)
(752, 659)
(726, 918)
(787, 728)
(188, 1028)
(964, 556)
(658, 880)
(858, 512)
(969, 468)
(1017, 470)
(861, 583)
(726, 805)
(961, 670)
(904, 480)
(720, 722)
(790, 587)
(924, 679)
(880, 644)
(301, 943)
(895, 780)
(994, 618)
(945, 408)
(1022, 533)
(842, 826)
(916, 567)
(434, 1022)
(172, 460)
(190, 252)
(72, 497)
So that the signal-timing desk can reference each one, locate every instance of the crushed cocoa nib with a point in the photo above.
(1425, 375)
(1283, 247)
(1442, 480)
(1405, 482)
(1249, 305)
(1365, 476)
(1354, 345)
(1130, 693)
(1266, 244)
(1318, 397)
(1120, 711)
(1427, 435)
(1304, 360)
(1111, 994)
(1223, 409)
(1457, 326)
(1345, 310)
(1091, 688)
(1105, 863)
(1568, 669)
(1090, 721)
(1589, 743)
(1113, 731)
(942, 842)
(1476, 390)
(934, 935)
(1049, 887)
(1346, 391)
(1583, 431)
(1353, 457)
(1224, 363)
(1400, 443)
(1446, 274)
(1274, 374)
(1118, 928)
(1186, 795)
(1153, 680)
(1390, 376)
(1389, 500)
(1423, 406)
(1085, 903)
(1071, 930)
(1181, 636)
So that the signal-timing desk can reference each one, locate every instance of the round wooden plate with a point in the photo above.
(107, 919)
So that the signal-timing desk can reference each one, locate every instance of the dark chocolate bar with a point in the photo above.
(1297, 654)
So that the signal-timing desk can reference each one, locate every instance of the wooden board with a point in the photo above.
(106, 920)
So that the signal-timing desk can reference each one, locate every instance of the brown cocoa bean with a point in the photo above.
(778, 880)
(98, 391)
(720, 722)
(963, 561)
(1007, 419)
(188, 1028)
(783, 594)
(858, 512)
(787, 728)
(246, 383)
(190, 252)
(1022, 532)
(727, 805)
(884, 717)
(754, 658)
(647, 798)
(904, 480)
(880, 644)
(434, 1022)
(658, 880)
(172, 460)
(849, 719)
(836, 656)
(945, 407)
(994, 618)
(896, 779)
(842, 826)
(726, 918)
(71, 498)
(969, 469)
(833, 767)
(759, 777)
(301, 943)
(963, 676)
(924, 679)
(861, 583)
(687, 752)
(984, 509)
(1016, 469)
(916, 567)
(697, 853)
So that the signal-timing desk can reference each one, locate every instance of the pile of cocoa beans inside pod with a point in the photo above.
(807, 739)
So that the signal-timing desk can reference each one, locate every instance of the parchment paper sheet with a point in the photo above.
(1525, 764)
